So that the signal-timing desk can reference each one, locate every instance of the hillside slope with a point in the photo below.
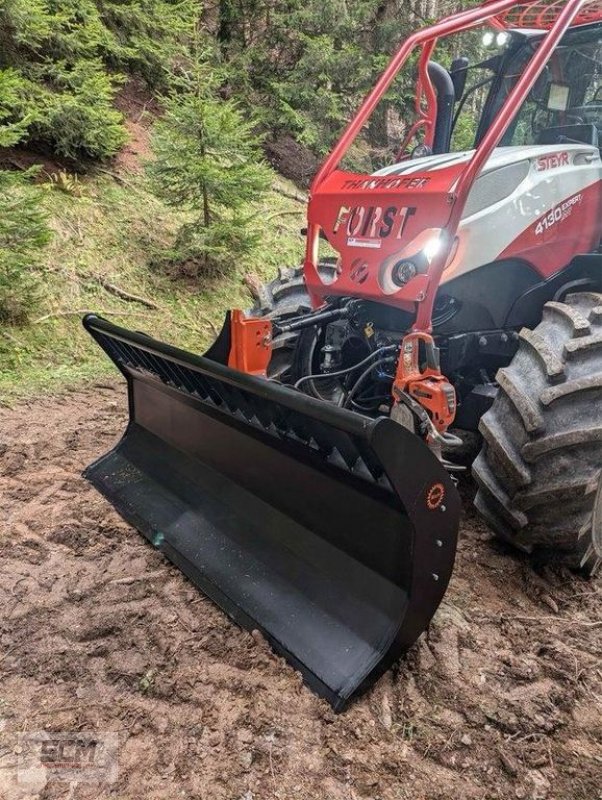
(110, 232)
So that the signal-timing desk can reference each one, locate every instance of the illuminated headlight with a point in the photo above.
(491, 38)
(413, 259)
(432, 247)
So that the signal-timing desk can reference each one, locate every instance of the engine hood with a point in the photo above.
(501, 157)
(397, 214)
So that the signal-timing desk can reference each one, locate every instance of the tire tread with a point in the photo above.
(546, 424)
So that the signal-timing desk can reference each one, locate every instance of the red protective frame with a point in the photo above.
(543, 13)
(329, 184)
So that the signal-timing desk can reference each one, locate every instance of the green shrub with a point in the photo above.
(55, 83)
(308, 63)
(23, 233)
(12, 129)
(79, 117)
(60, 63)
(209, 161)
(147, 36)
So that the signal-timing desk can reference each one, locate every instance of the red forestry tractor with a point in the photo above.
(301, 472)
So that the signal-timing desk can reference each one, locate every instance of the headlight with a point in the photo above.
(413, 259)
(500, 39)
(432, 247)
(403, 272)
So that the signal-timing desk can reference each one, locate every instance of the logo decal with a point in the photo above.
(392, 182)
(355, 241)
(366, 226)
(435, 496)
(558, 214)
(552, 161)
(359, 271)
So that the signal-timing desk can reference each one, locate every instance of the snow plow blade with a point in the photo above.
(331, 533)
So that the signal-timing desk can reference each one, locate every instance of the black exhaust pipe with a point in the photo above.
(446, 98)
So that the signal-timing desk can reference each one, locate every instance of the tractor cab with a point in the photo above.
(564, 105)
(499, 165)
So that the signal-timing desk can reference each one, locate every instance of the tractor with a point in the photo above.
(302, 472)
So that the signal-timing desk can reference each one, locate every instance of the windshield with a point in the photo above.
(566, 102)
(484, 64)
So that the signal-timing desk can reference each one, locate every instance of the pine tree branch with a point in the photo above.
(128, 296)
(284, 214)
(11, 338)
(298, 198)
(79, 311)
(120, 179)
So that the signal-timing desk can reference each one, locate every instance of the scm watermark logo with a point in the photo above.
(72, 758)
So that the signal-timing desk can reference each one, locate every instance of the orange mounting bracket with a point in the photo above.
(251, 344)
(425, 384)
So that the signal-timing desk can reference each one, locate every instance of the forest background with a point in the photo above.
(154, 153)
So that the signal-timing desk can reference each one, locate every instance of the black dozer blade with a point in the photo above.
(331, 533)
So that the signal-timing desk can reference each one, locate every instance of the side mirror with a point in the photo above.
(459, 73)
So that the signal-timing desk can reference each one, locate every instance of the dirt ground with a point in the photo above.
(501, 699)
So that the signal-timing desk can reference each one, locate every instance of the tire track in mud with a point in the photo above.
(502, 698)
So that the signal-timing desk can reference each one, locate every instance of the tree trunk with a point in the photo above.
(227, 16)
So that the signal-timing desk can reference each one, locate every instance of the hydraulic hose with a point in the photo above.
(387, 349)
(362, 379)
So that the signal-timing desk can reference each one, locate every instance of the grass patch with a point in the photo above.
(116, 231)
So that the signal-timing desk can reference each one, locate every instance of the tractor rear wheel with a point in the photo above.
(282, 298)
(539, 473)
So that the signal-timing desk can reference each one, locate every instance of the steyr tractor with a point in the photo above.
(302, 472)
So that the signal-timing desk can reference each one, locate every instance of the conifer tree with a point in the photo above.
(23, 233)
(67, 59)
(209, 161)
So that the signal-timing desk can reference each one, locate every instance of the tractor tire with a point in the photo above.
(539, 473)
(286, 296)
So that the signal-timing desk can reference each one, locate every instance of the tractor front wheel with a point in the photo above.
(539, 473)
(283, 298)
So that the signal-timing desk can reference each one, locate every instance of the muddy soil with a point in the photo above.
(501, 699)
